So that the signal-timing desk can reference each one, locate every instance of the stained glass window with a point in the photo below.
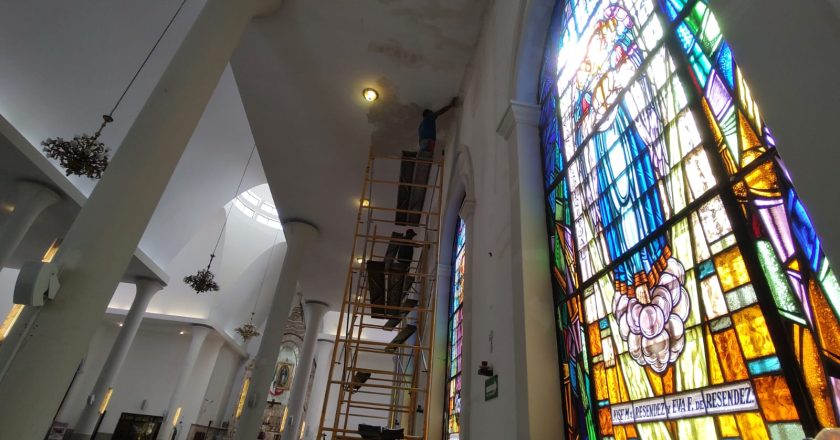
(693, 296)
(456, 334)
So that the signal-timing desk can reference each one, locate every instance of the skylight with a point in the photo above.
(256, 204)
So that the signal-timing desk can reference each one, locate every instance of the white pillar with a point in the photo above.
(537, 402)
(232, 383)
(105, 234)
(32, 199)
(438, 365)
(298, 236)
(323, 357)
(146, 289)
(313, 315)
(199, 334)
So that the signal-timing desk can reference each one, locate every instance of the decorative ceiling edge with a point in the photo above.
(226, 338)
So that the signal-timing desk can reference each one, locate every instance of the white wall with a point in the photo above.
(758, 30)
(150, 371)
(487, 303)
(8, 276)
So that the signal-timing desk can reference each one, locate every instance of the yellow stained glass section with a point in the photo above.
(752, 426)
(815, 378)
(732, 272)
(728, 427)
(730, 355)
(600, 376)
(827, 326)
(775, 399)
(752, 332)
(715, 372)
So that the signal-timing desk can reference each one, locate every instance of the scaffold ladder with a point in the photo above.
(378, 383)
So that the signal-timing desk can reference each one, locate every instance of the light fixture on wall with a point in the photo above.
(86, 155)
(370, 94)
(204, 279)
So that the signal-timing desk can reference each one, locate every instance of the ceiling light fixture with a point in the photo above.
(370, 94)
(359, 260)
(181, 332)
(365, 203)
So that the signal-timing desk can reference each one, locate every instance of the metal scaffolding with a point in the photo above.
(379, 373)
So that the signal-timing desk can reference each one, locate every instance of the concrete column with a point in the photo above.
(313, 315)
(146, 289)
(199, 334)
(537, 402)
(299, 235)
(105, 234)
(232, 383)
(323, 356)
(439, 368)
(32, 199)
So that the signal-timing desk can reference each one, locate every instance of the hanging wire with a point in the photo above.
(110, 114)
(265, 273)
(227, 214)
(86, 155)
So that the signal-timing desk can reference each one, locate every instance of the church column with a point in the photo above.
(146, 289)
(225, 403)
(313, 314)
(323, 358)
(176, 404)
(440, 351)
(537, 383)
(299, 236)
(105, 234)
(32, 199)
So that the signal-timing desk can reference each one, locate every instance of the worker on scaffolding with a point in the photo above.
(405, 252)
(428, 129)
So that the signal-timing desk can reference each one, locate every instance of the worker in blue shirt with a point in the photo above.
(428, 130)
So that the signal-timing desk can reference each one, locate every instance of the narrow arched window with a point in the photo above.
(456, 333)
(693, 297)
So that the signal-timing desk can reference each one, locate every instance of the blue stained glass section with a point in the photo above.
(766, 365)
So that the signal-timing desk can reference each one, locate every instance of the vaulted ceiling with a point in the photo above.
(294, 89)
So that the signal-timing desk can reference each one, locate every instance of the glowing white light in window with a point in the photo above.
(269, 209)
(244, 209)
(251, 198)
(271, 223)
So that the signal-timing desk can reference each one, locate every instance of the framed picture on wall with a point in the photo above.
(137, 427)
(283, 373)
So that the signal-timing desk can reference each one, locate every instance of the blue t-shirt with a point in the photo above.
(427, 129)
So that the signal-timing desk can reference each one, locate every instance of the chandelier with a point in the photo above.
(203, 280)
(247, 331)
(86, 155)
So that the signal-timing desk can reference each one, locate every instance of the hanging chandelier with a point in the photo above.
(247, 331)
(203, 280)
(86, 155)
